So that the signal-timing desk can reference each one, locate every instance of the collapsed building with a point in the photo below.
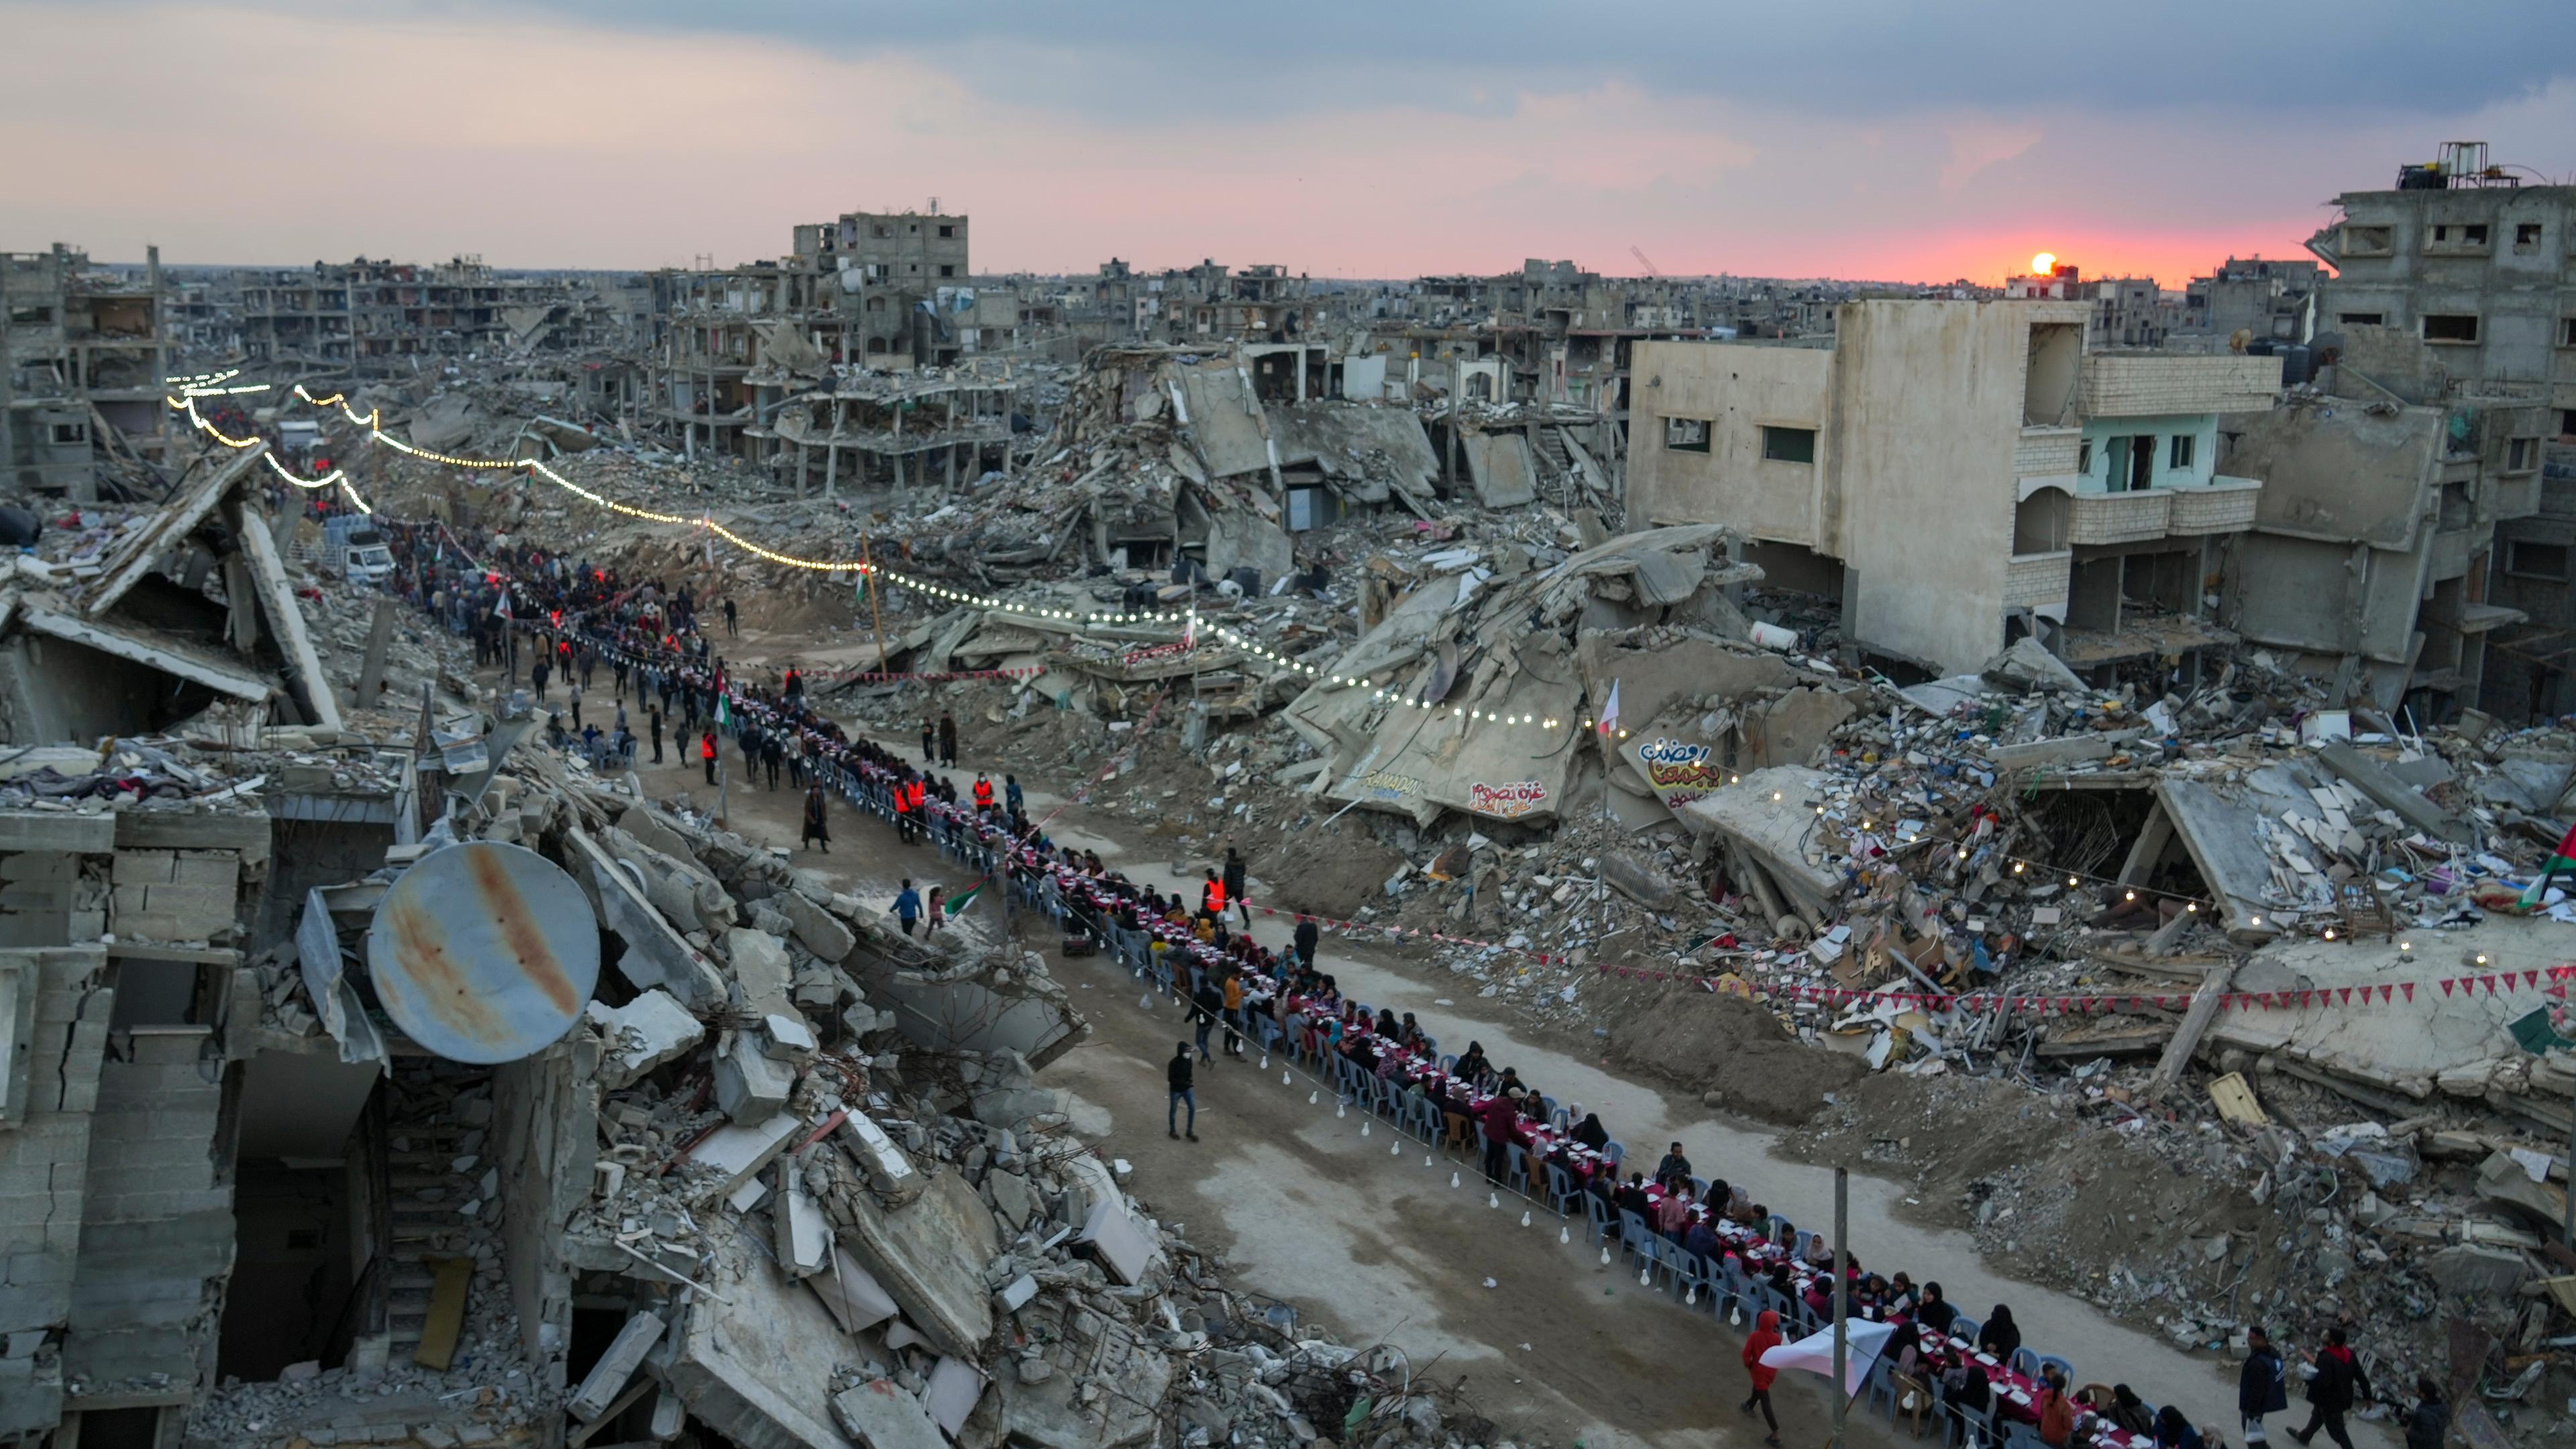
(380, 1077)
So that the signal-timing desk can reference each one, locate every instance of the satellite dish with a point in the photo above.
(484, 952)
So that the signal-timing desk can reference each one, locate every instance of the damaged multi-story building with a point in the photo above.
(1959, 474)
(377, 318)
(2454, 290)
(83, 353)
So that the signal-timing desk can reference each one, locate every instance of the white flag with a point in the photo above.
(1815, 1353)
(1610, 711)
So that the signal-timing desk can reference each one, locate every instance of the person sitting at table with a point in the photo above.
(1410, 1033)
(1820, 1254)
(1869, 1296)
(1386, 1024)
(1674, 1168)
(1742, 1210)
(1631, 1197)
(1965, 1388)
(1904, 1350)
(2173, 1431)
(1934, 1311)
(2001, 1335)
(1674, 1212)
(2128, 1411)
(2056, 1409)
(1702, 1239)
(1589, 1131)
(1899, 1296)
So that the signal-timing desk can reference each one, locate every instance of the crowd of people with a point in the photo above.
(562, 621)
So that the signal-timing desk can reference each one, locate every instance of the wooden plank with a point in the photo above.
(2196, 1020)
(446, 1319)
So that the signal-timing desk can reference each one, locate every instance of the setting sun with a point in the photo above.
(2043, 263)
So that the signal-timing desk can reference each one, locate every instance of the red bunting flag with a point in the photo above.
(2409, 989)
(2531, 978)
(2445, 984)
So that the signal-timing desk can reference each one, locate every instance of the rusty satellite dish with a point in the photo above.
(484, 952)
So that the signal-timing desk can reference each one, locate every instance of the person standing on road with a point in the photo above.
(1234, 877)
(2431, 1418)
(731, 632)
(929, 742)
(1501, 1115)
(1206, 1005)
(947, 740)
(2260, 1388)
(1012, 800)
(707, 755)
(1179, 1073)
(1307, 934)
(907, 906)
(653, 720)
(2335, 1384)
(817, 823)
(537, 676)
(1764, 1338)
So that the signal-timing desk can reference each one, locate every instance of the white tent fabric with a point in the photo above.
(1815, 1352)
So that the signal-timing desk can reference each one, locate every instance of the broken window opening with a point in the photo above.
(1687, 435)
(1788, 445)
(2526, 236)
(2048, 384)
(2527, 559)
(2451, 327)
(2363, 319)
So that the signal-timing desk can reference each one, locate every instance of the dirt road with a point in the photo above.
(1359, 1230)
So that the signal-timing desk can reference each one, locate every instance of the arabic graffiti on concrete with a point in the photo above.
(1679, 771)
(1506, 802)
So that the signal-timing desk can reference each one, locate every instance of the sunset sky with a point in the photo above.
(1851, 138)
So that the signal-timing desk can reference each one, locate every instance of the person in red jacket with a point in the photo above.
(1765, 1337)
(707, 753)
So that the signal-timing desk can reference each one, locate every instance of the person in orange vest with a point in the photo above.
(1212, 897)
(707, 753)
(983, 793)
(902, 794)
(920, 811)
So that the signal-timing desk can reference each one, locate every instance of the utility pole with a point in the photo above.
(1842, 1296)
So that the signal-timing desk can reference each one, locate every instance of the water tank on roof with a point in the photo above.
(484, 952)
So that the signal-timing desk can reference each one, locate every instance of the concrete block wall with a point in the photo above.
(44, 1158)
(2153, 384)
(174, 895)
(158, 1240)
(2047, 452)
(545, 1138)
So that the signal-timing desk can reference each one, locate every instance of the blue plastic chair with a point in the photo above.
(1799, 1244)
(1693, 1271)
(2025, 1361)
(1881, 1385)
(1967, 1328)
(1634, 1235)
(1448, 1063)
(1561, 1190)
(1614, 1151)
(1596, 1215)
(1519, 1180)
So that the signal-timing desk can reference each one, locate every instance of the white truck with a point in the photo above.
(354, 549)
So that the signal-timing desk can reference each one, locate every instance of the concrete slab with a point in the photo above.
(607, 1378)
(2225, 842)
(763, 975)
(757, 1368)
(738, 1153)
(880, 1415)
(655, 954)
(816, 930)
(2372, 777)
(1772, 831)
(950, 1395)
(305, 679)
(853, 1295)
(804, 1239)
(929, 1254)
(750, 1084)
(643, 1034)
(1119, 1242)
(2407, 1045)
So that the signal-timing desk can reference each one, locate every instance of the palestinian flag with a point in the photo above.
(958, 903)
(2561, 860)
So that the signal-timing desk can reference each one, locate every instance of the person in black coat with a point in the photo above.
(2338, 1383)
(2260, 1388)
(1178, 1073)
(2000, 1335)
